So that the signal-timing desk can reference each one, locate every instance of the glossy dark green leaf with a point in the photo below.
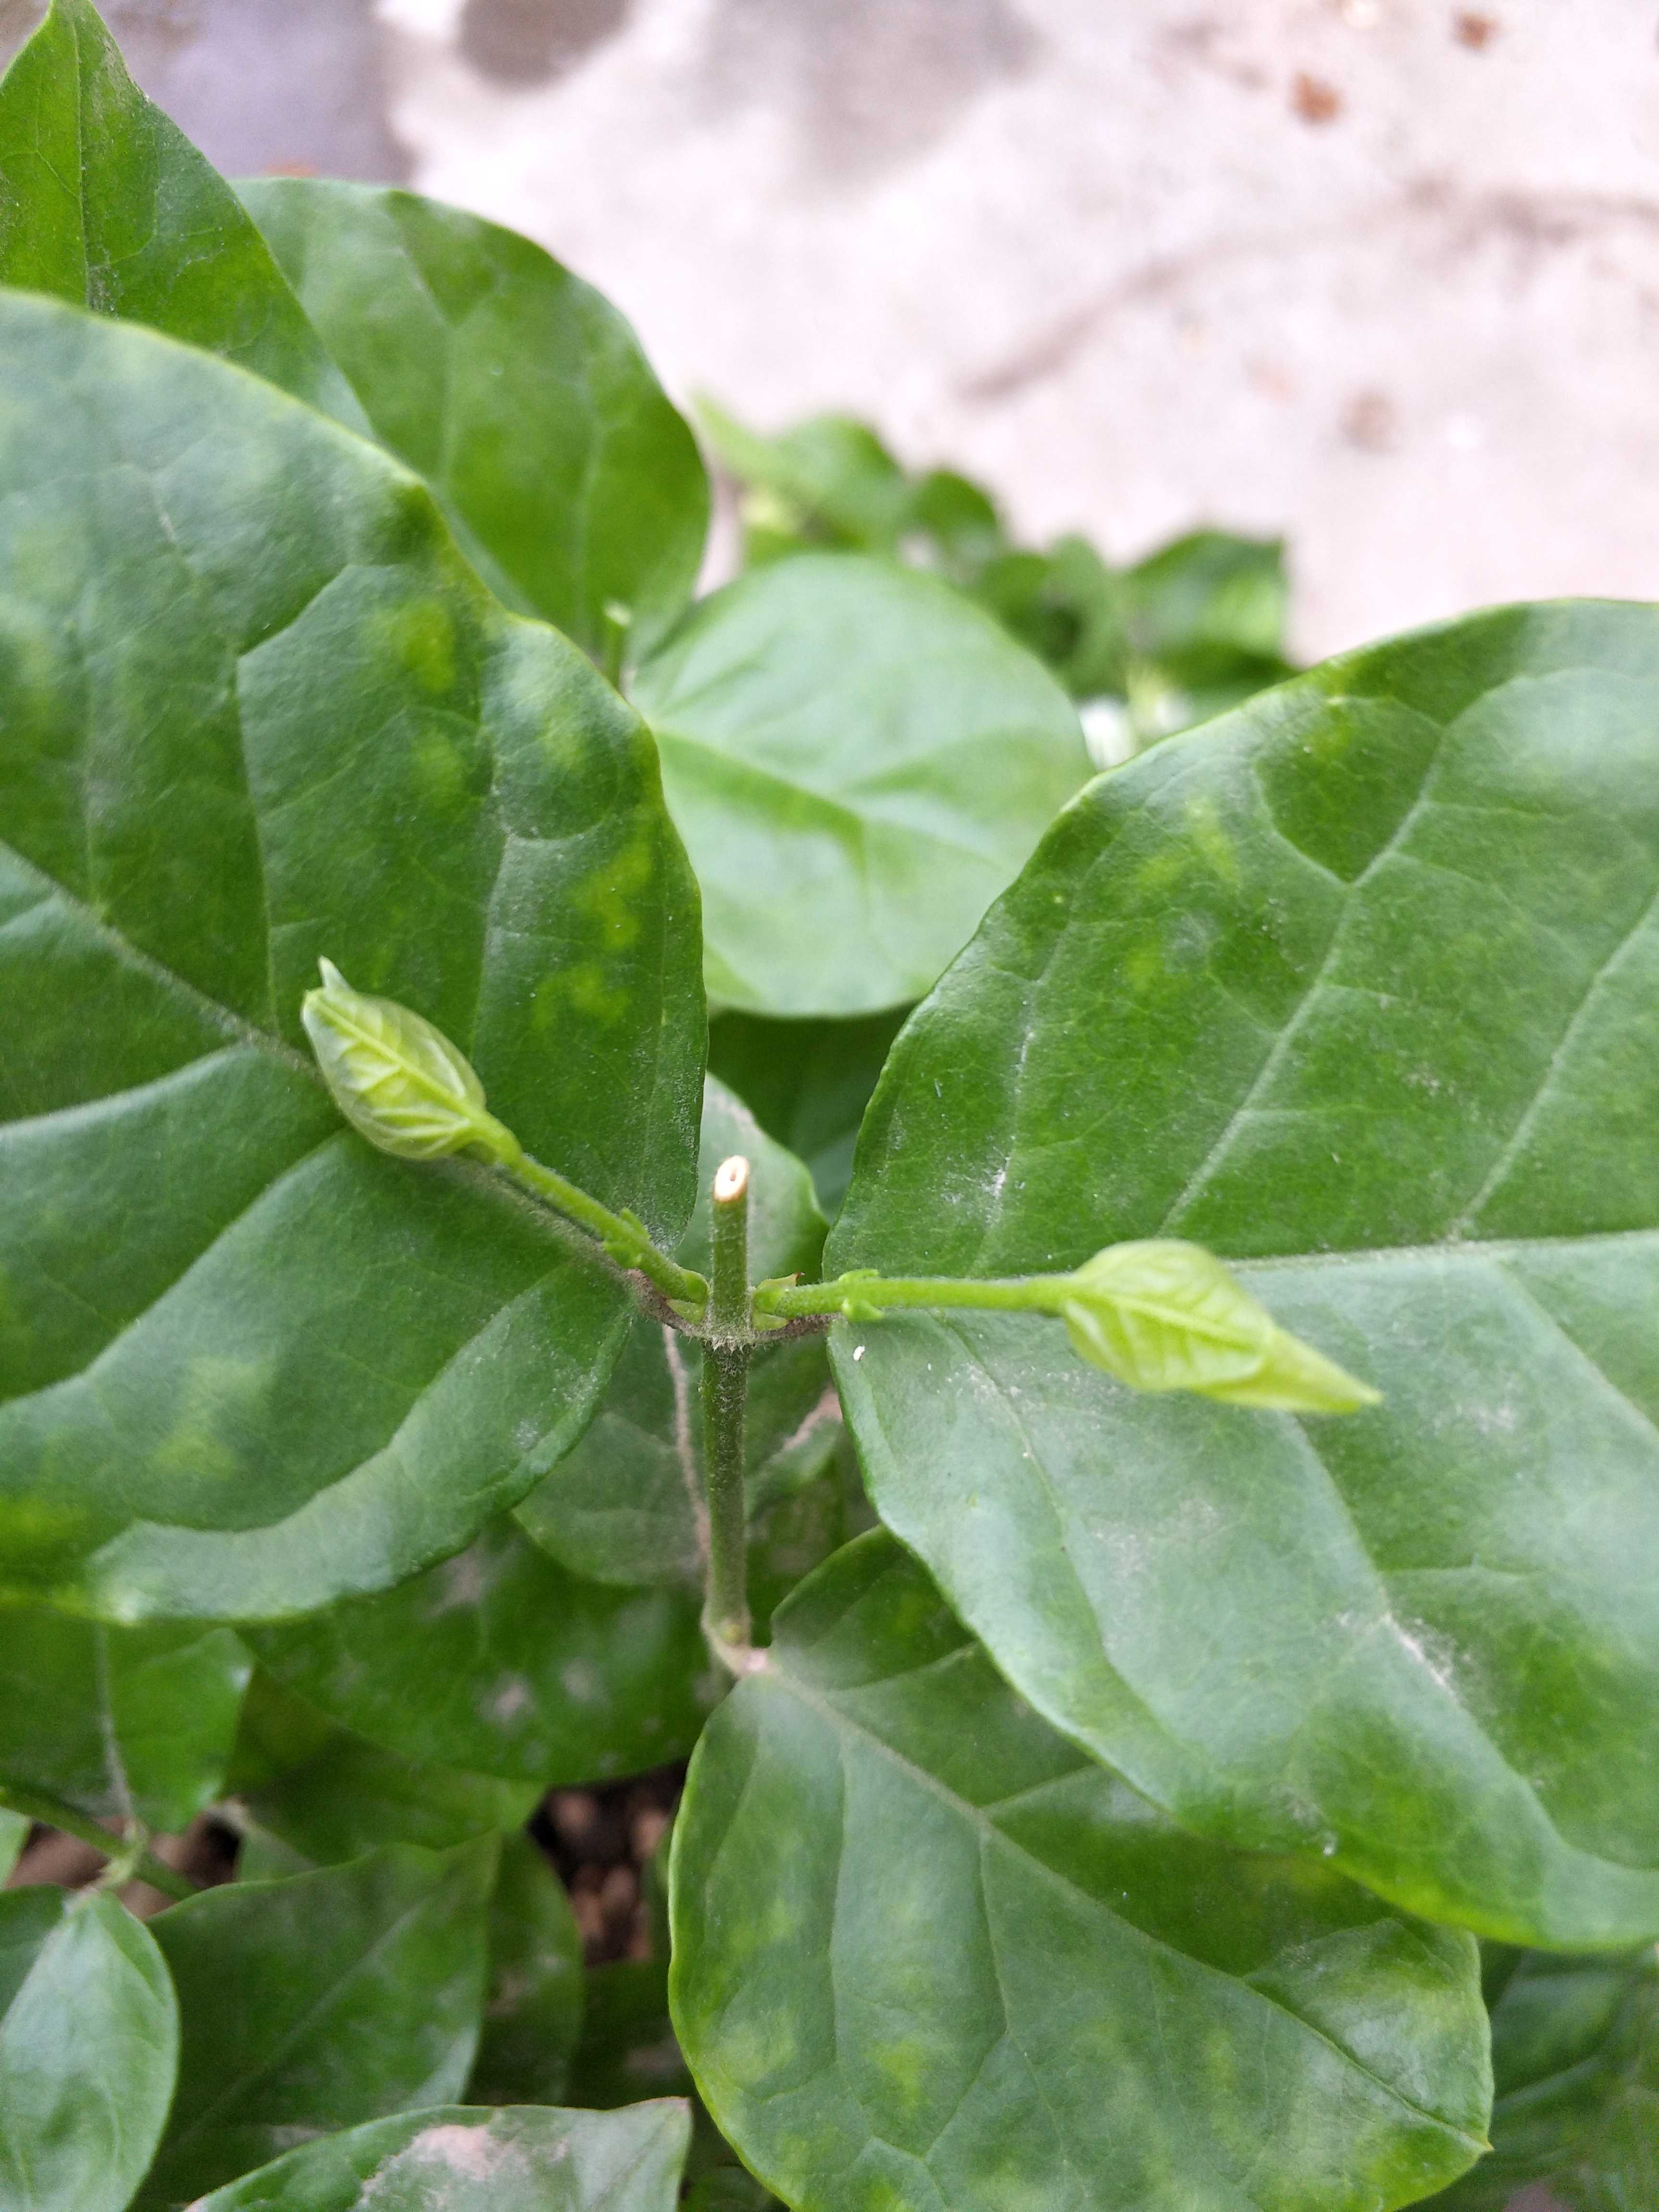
(89, 2045)
(533, 2010)
(104, 202)
(1576, 2065)
(249, 1362)
(350, 1796)
(729, 2189)
(628, 2049)
(625, 1505)
(463, 2158)
(500, 1662)
(319, 2002)
(806, 1082)
(859, 761)
(1359, 987)
(118, 1720)
(926, 1953)
(516, 391)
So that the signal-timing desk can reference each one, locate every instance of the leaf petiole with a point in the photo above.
(132, 1855)
(863, 1296)
(624, 1236)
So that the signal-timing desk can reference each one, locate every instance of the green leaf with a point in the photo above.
(827, 481)
(14, 1834)
(89, 2045)
(1066, 605)
(1207, 592)
(398, 1081)
(807, 1084)
(1576, 2062)
(859, 761)
(105, 203)
(124, 1720)
(624, 1506)
(518, 392)
(250, 1363)
(1360, 989)
(534, 2011)
(628, 2050)
(1163, 1315)
(459, 2158)
(350, 1796)
(729, 2189)
(318, 2003)
(500, 1662)
(1204, 629)
(927, 1953)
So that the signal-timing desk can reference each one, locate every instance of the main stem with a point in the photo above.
(725, 1398)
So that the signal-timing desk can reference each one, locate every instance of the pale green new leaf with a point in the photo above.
(88, 2045)
(926, 1953)
(1357, 988)
(398, 1080)
(463, 2158)
(247, 1362)
(1163, 1315)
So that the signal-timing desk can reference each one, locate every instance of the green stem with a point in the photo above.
(52, 1813)
(728, 1297)
(624, 1236)
(859, 1296)
(726, 1602)
(724, 1400)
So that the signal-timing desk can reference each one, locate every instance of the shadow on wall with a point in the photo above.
(297, 85)
(259, 85)
(867, 83)
(531, 42)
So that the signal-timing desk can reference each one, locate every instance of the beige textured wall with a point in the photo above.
(1380, 273)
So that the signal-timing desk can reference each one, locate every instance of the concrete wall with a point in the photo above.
(1382, 275)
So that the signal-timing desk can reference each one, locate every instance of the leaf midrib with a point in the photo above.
(281, 2050)
(230, 1025)
(990, 1835)
(1338, 1497)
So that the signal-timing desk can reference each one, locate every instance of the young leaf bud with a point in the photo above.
(398, 1080)
(1163, 1315)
